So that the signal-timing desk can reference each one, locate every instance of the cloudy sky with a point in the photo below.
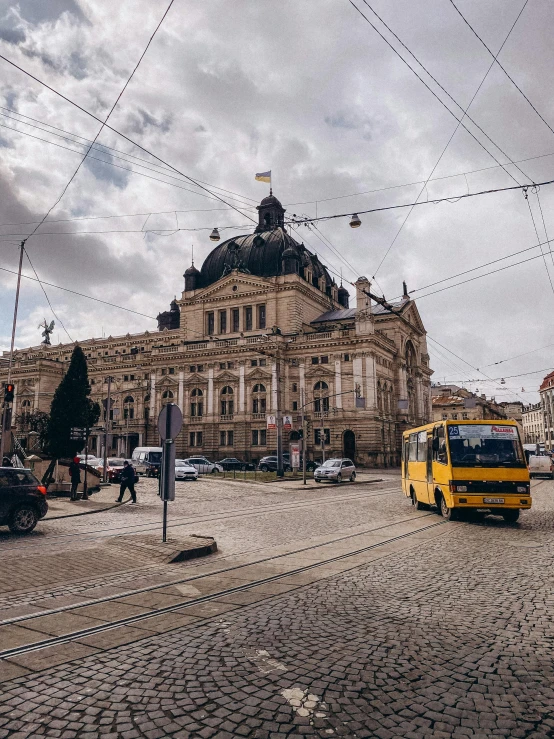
(312, 92)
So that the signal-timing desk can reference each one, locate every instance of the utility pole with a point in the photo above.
(5, 413)
(106, 429)
(279, 418)
(304, 445)
(322, 435)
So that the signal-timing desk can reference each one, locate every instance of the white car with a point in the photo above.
(184, 471)
(336, 470)
(204, 466)
(91, 460)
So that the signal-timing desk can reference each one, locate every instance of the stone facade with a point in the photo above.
(533, 424)
(453, 403)
(236, 343)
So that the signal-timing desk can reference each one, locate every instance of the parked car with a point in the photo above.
(147, 460)
(22, 500)
(269, 464)
(336, 470)
(232, 463)
(185, 471)
(114, 468)
(204, 466)
(91, 460)
(541, 465)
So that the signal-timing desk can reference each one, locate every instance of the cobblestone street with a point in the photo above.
(428, 632)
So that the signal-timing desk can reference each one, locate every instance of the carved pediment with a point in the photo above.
(244, 283)
(167, 382)
(226, 376)
(259, 374)
(196, 380)
(318, 371)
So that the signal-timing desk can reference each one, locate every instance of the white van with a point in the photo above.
(147, 460)
(541, 465)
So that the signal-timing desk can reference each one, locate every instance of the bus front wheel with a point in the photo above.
(448, 513)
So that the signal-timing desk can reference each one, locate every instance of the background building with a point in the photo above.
(261, 326)
(533, 424)
(453, 403)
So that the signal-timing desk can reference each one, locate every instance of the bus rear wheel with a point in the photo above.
(448, 513)
(416, 503)
(510, 516)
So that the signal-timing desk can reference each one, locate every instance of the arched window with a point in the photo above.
(129, 407)
(167, 394)
(146, 413)
(147, 397)
(227, 404)
(259, 401)
(197, 403)
(26, 404)
(321, 397)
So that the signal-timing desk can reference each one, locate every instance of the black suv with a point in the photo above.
(269, 464)
(22, 500)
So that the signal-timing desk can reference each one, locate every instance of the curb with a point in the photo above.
(85, 513)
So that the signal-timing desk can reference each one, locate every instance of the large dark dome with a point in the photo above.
(261, 253)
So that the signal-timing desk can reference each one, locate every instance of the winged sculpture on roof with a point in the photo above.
(47, 330)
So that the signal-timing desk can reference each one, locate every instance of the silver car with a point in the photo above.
(336, 470)
(204, 466)
(184, 471)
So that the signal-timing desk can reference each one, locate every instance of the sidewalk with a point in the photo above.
(103, 500)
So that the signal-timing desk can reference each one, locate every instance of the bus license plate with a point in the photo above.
(493, 500)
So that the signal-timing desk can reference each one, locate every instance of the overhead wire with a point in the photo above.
(119, 133)
(127, 169)
(459, 120)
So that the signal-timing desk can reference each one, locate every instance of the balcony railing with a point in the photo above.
(258, 416)
(318, 335)
(226, 417)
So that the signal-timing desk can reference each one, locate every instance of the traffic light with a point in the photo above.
(9, 391)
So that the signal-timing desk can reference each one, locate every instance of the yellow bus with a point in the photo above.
(473, 466)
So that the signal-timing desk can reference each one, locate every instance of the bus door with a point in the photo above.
(430, 444)
(438, 463)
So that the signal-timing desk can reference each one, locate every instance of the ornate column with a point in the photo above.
(338, 384)
(371, 391)
(357, 372)
(242, 394)
(153, 414)
(210, 390)
(180, 401)
(274, 386)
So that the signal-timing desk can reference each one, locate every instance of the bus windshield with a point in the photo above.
(484, 445)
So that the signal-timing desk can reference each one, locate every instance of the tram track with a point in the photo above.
(186, 602)
(121, 530)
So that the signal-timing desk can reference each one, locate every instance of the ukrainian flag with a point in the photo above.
(263, 176)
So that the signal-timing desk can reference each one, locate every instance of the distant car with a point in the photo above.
(232, 463)
(91, 460)
(204, 466)
(269, 464)
(147, 460)
(114, 468)
(336, 470)
(541, 465)
(22, 500)
(184, 471)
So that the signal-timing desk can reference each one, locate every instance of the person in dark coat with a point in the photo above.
(75, 474)
(7, 462)
(127, 481)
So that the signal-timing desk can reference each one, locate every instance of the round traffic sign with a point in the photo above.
(170, 421)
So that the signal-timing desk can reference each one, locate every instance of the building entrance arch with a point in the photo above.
(349, 444)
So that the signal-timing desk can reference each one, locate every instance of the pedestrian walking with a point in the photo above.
(75, 474)
(127, 481)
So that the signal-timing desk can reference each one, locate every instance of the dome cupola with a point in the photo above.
(271, 214)
(343, 296)
(191, 278)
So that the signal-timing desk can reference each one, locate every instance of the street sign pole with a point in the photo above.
(170, 422)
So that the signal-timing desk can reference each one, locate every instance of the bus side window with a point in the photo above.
(422, 446)
(413, 448)
(439, 446)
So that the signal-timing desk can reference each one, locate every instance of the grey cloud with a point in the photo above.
(103, 172)
(43, 11)
(11, 35)
(141, 120)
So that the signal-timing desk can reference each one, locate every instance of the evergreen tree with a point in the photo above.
(71, 406)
